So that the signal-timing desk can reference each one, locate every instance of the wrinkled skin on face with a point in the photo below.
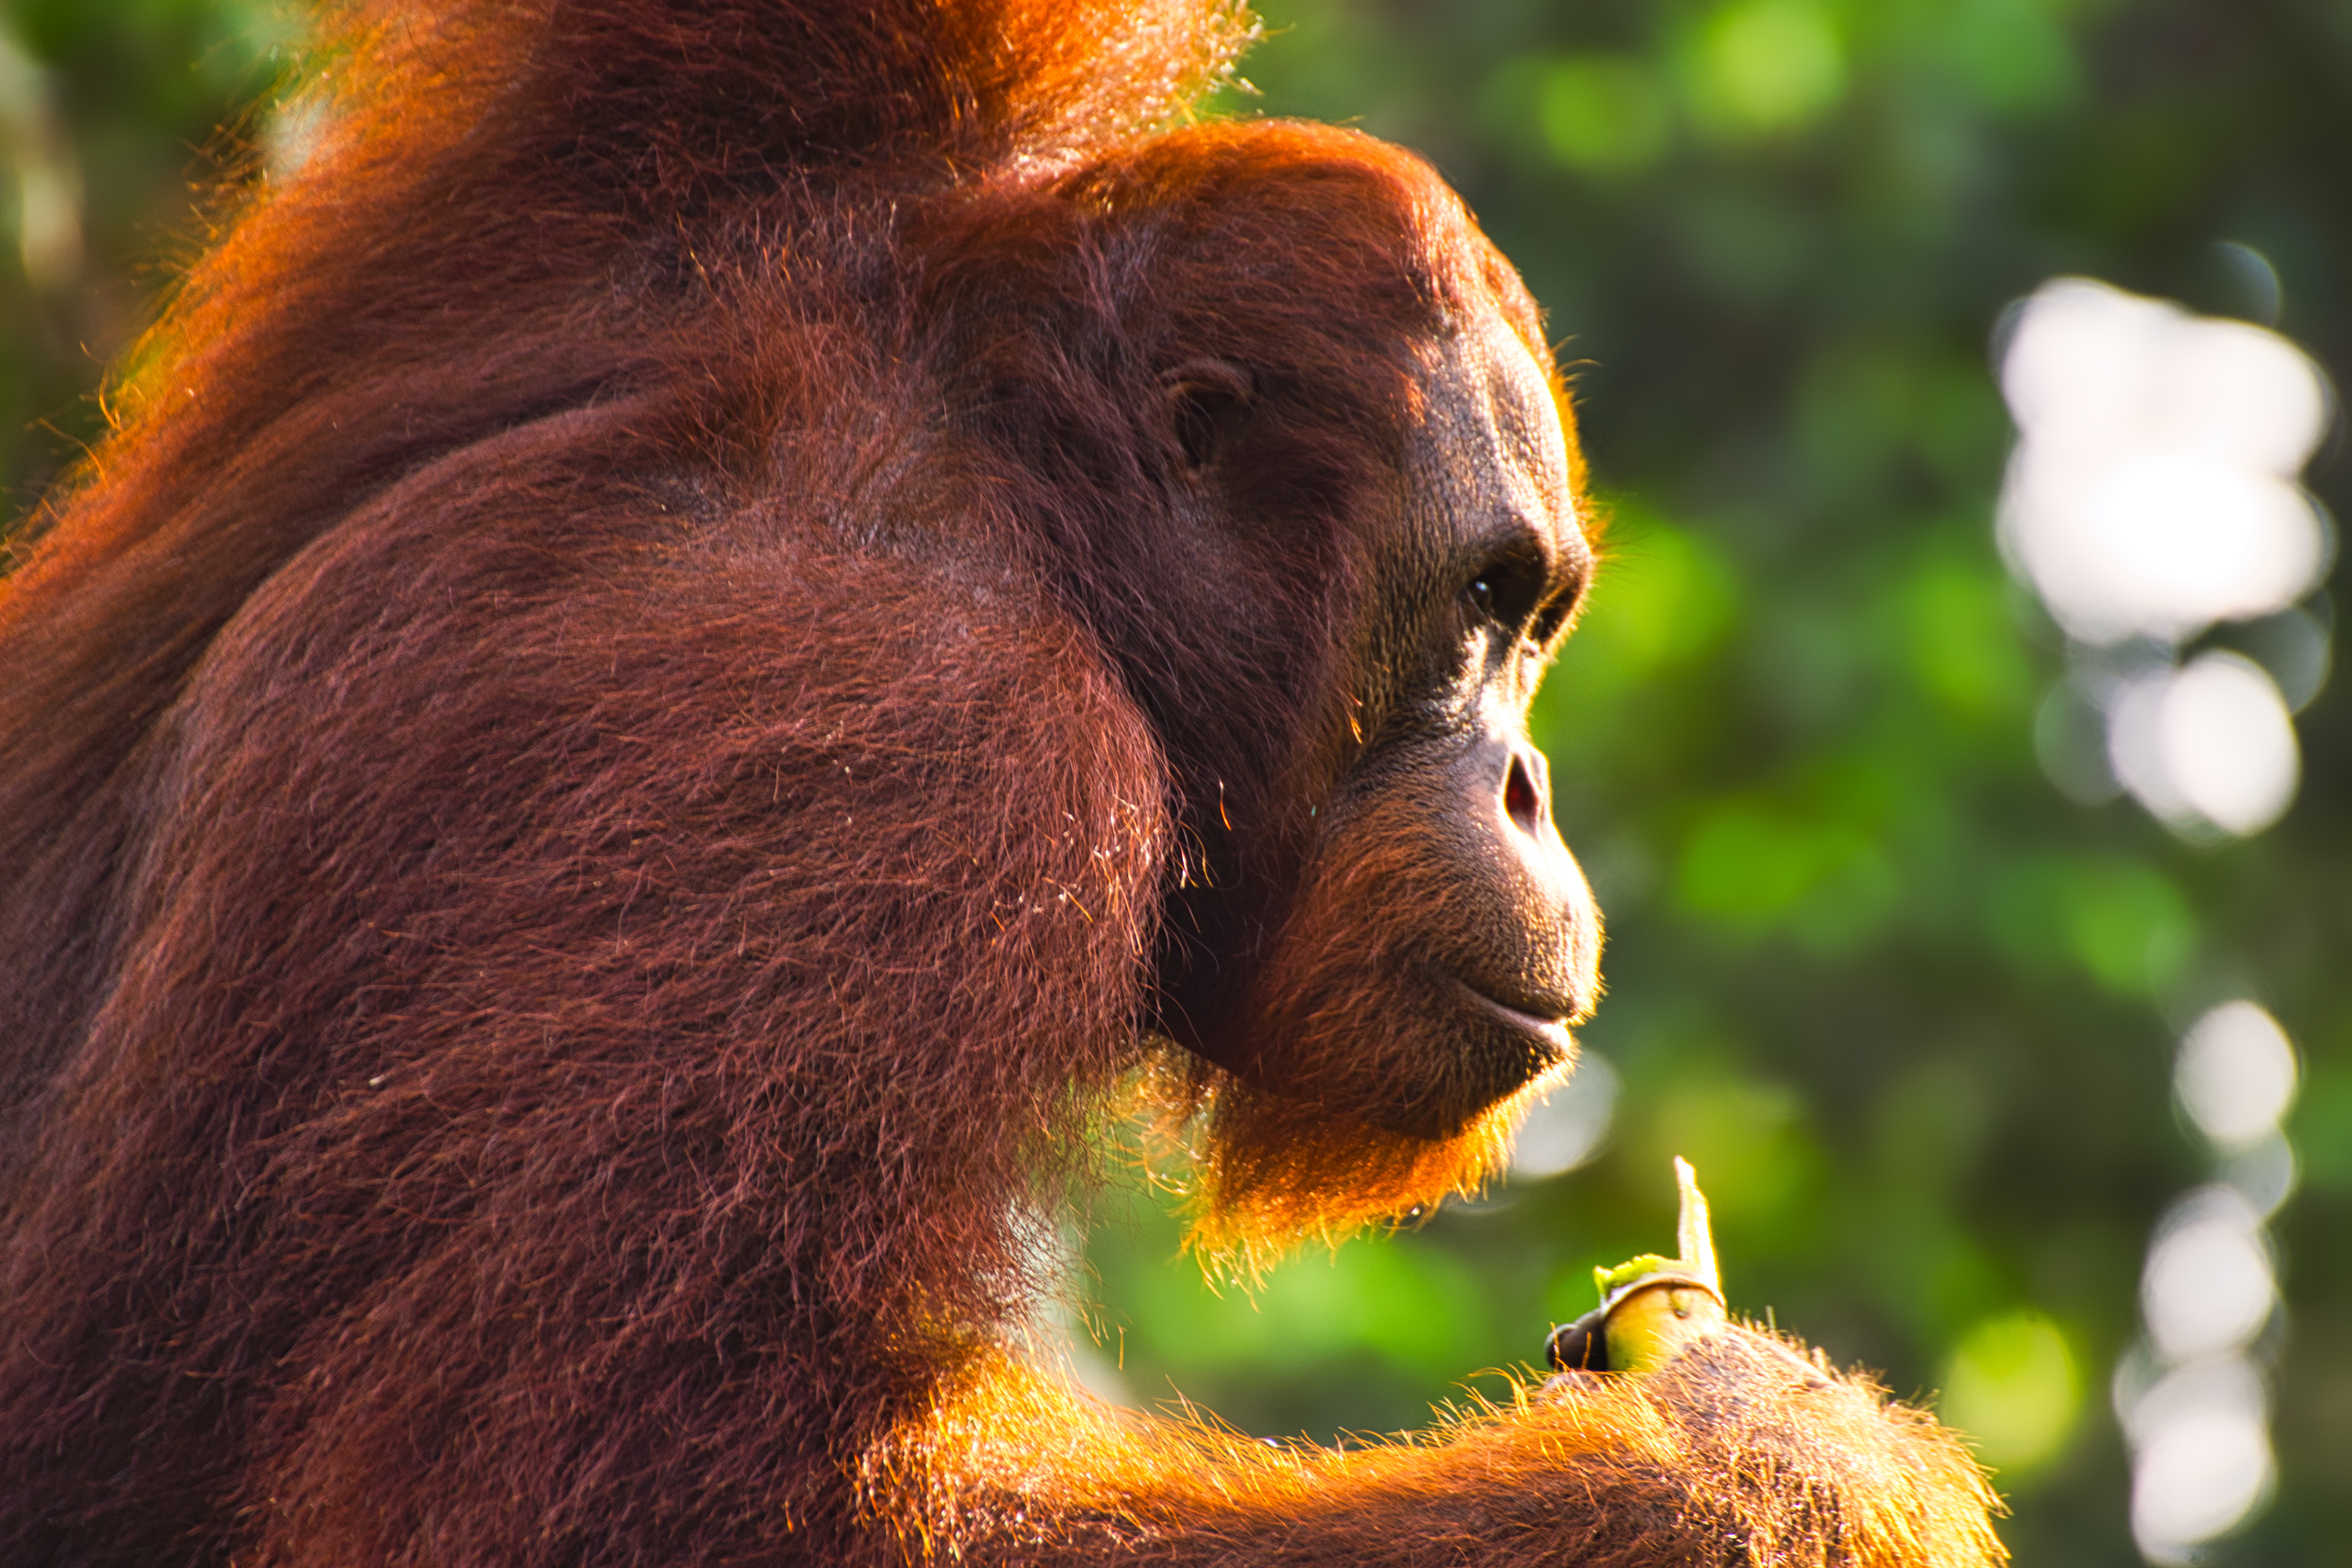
(1442, 938)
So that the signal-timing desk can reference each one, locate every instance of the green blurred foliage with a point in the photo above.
(2013, 1384)
(125, 103)
(1909, 1010)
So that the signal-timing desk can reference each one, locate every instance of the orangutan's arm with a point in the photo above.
(1740, 1452)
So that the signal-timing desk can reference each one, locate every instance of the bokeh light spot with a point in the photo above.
(1603, 114)
(2210, 745)
(2126, 923)
(2236, 1075)
(1570, 1127)
(1767, 64)
(1754, 867)
(1963, 647)
(2202, 1457)
(2012, 54)
(2152, 492)
(2207, 1287)
(1750, 1138)
(2014, 1386)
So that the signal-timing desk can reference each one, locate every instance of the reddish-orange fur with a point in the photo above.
(573, 872)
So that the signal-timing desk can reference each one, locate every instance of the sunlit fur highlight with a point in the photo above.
(1792, 1466)
(1260, 1175)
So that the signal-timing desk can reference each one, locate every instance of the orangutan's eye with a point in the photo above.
(1506, 593)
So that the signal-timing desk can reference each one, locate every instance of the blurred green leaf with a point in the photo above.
(1604, 114)
(2013, 1384)
(2120, 920)
(1765, 65)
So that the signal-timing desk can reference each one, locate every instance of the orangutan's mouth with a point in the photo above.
(1543, 1017)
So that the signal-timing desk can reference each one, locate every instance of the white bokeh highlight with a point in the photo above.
(2207, 1287)
(2202, 1461)
(2153, 489)
(2265, 1174)
(1571, 1126)
(2208, 747)
(2153, 496)
(2236, 1075)
(2193, 1399)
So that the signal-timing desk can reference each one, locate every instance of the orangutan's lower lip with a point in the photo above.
(1550, 1026)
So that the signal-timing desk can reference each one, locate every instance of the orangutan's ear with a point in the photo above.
(1206, 401)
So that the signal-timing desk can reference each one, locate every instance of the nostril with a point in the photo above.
(1522, 803)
